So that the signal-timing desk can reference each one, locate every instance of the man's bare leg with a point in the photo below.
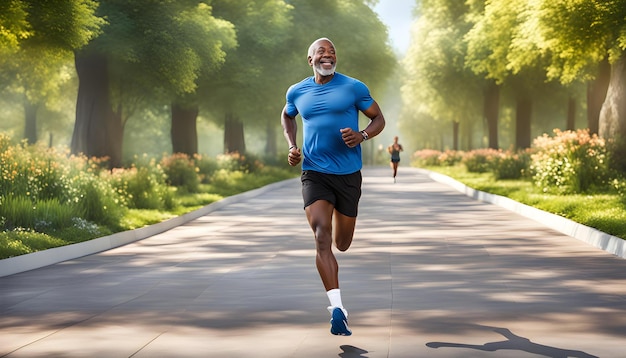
(320, 215)
(343, 230)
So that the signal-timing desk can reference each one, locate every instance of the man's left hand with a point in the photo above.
(351, 138)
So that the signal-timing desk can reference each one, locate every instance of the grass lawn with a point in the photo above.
(605, 212)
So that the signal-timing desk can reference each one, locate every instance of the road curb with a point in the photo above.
(609, 243)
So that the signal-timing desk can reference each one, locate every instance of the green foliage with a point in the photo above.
(187, 29)
(570, 162)
(503, 165)
(98, 201)
(439, 85)
(226, 183)
(143, 187)
(49, 198)
(206, 167)
(246, 163)
(14, 26)
(137, 218)
(451, 157)
(181, 172)
(63, 24)
(426, 158)
(582, 33)
(19, 242)
(481, 160)
(512, 165)
(44, 216)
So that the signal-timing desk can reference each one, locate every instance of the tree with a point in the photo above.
(13, 25)
(581, 38)
(504, 46)
(132, 61)
(238, 95)
(38, 67)
(438, 78)
(185, 106)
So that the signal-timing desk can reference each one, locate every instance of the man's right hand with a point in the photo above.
(295, 155)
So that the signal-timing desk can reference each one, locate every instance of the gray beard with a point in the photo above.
(323, 72)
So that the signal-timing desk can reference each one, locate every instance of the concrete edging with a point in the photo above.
(52, 256)
(609, 243)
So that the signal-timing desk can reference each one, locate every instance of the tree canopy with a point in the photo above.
(478, 73)
(535, 52)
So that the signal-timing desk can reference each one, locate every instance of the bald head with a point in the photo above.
(315, 45)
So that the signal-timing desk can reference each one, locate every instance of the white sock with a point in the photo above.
(334, 296)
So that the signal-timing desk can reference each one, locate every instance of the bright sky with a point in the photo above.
(397, 15)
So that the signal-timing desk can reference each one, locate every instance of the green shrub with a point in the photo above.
(235, 161)
(24, 241)
(570, 162)
(511, 165)
(17, 211)
(450, 157)
(42, 215)
(181, 172)
(227, 180)
(143, 187)
(426, 158)
(52, 198)
(481, 160)
(206, 167)
(98, 201)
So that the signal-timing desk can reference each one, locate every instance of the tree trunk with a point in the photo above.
(97, 131)
(184, 131)
(523, 112)
(233, 135)
(270, 145)
(455, 135)
(491, 108)
(571, 114)
(30, 125)
(468, 134)
(596, 94)
(613, 113)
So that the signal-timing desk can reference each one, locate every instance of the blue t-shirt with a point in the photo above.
(325, 109)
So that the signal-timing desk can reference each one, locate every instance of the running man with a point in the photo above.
(329, 104)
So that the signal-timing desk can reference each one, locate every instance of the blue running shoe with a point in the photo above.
(339, 323)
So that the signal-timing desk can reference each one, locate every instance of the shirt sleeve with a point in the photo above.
(363, 98)
(291, 109)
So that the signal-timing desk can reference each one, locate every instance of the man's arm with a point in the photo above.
(290, 129)
(374, 127)
(377, 120)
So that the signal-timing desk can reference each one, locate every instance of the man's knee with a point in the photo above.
(343, 246)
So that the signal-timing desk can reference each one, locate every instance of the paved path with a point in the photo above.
(431, 273)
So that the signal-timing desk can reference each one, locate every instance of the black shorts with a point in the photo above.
(343, 191)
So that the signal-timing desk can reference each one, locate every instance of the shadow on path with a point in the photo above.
(514, 342)
(352, 352)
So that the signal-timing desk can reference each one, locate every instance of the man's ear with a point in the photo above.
(310, 59)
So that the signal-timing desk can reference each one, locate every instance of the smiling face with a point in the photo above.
(322, 58)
